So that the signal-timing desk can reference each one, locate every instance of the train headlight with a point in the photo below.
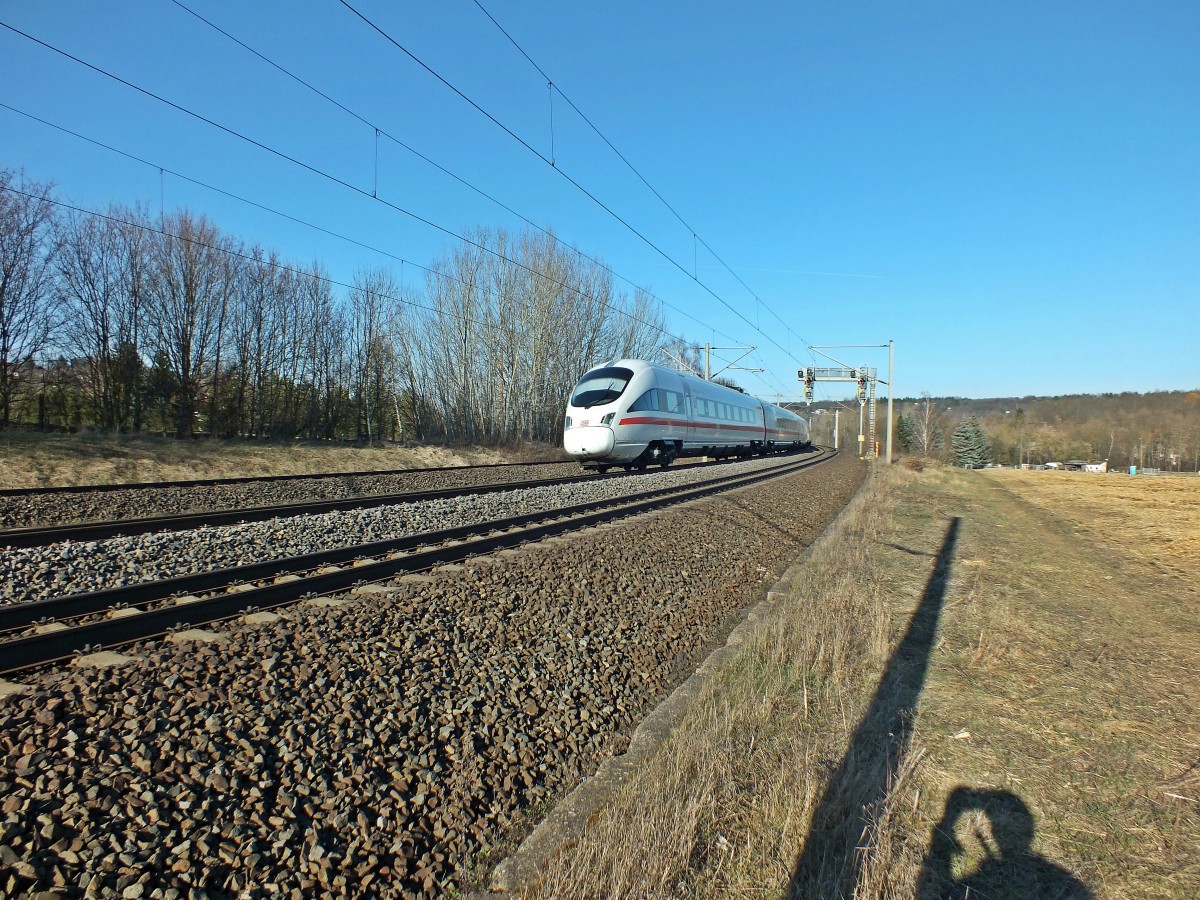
(607, 419)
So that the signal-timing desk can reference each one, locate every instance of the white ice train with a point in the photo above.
(632, 413)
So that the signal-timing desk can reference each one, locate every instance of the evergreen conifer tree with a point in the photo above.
(970, 445)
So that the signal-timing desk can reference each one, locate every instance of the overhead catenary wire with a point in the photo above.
(314, 170)
(312, 225)
(379, 131)
(537, 153)
(373, 194)
(621, 156)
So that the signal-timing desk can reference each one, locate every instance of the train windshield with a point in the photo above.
(600, 386)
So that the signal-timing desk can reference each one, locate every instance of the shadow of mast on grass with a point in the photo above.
(828, 864)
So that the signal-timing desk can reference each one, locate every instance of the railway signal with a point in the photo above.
(865, 380)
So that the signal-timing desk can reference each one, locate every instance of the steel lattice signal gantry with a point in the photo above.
(866, 379)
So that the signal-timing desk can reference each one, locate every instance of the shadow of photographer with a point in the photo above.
(983, 847)
(829, 862)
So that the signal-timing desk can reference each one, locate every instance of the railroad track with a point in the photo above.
(246, 479)
(17, 538)
(123, 615)
(41, 535)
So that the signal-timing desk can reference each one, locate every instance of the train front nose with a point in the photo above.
(589, 441)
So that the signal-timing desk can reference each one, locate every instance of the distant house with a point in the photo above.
(1081, 465)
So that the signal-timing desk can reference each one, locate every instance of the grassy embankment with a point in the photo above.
(1000, 668)
(47, 460)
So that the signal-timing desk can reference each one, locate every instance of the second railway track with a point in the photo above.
(96, 531)
(33, 508)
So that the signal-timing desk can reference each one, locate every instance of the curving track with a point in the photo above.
(395, 745)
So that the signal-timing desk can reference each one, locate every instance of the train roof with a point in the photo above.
(640, 365)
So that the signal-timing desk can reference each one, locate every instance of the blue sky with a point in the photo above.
(1009, 191)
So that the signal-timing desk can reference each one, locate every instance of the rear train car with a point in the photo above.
(634, 414)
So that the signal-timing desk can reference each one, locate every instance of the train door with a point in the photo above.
(689, 411)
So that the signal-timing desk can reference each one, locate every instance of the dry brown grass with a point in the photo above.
(1067, 678)
(724, 807)
(1059, 709)
(35, 460)
(1153, 518)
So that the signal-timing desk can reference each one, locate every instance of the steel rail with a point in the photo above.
(39, 536)
(456, 544)
(252, 479)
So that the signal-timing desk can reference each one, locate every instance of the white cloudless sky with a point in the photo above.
(1011, 191)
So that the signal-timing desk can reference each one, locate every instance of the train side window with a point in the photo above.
(647, 402)
(673, 402)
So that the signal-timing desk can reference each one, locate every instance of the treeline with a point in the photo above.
(129, 323)
(1159, 429)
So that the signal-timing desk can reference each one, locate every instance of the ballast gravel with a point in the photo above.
(395, 746)
(40, 573)
(26, 510)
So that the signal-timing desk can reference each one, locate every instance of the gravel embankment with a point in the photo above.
(396, 746)
(132, 503)
(39, 573)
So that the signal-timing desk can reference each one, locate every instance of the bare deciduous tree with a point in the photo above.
(514, 324)
(930, 431)
(185, 307)
(102, 299)
(372, 355)
(28, 307)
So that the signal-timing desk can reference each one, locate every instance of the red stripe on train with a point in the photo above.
(655, 420)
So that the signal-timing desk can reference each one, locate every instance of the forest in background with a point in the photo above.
(1160, 429)
(130, 323)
